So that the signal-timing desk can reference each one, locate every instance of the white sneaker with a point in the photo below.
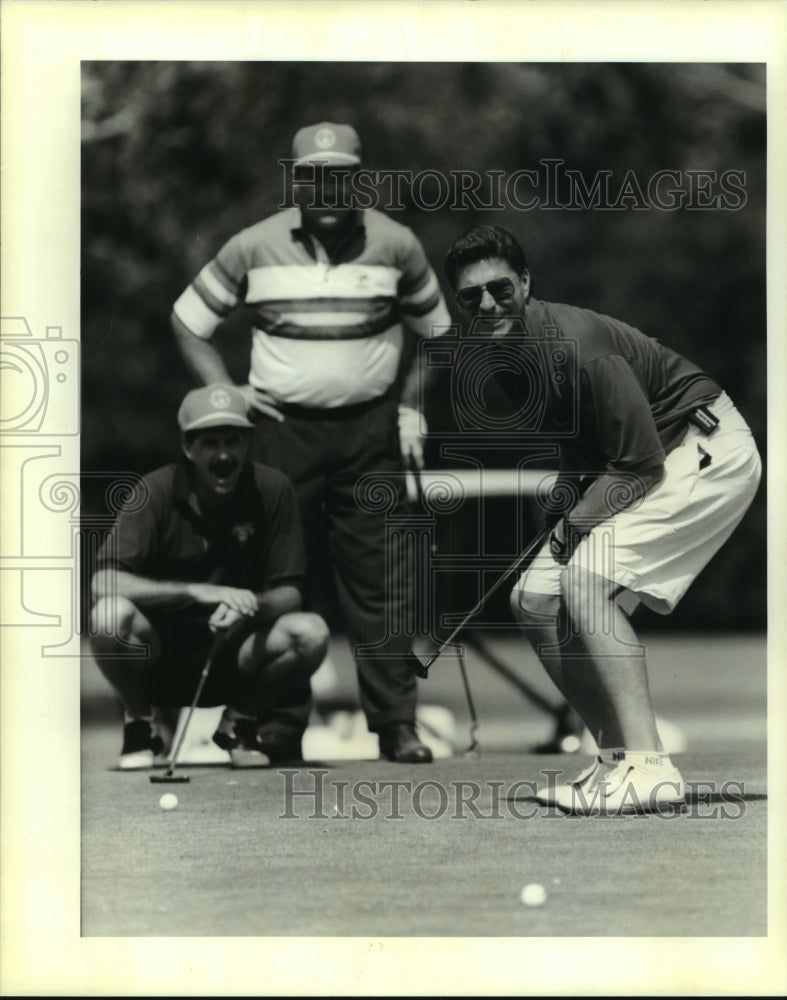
(548, 795)
(627, 786)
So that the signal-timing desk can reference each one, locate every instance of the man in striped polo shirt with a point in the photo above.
(332, 287)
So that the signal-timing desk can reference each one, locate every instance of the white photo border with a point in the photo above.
(43, 45)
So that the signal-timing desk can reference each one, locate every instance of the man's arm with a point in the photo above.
(202, 358)
(203, 305)
(278, 601)
(205, 361)
(416, 386)
(612, 493)
(271, 605)
(418, 382)
(148, 593)
(613, 406)
(284, 558)
(424, 311)
(605, 497)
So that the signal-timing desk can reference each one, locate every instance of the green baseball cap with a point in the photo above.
(327, 143)
(216, 405)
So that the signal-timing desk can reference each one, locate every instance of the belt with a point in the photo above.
(704, 418)
(348, 412)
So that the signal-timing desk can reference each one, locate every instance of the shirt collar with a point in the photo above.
(296, 223)
(534, 317)
(184, 493)
(182, 485)
(303, 236)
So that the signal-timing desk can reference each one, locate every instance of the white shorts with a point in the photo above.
(655, 549)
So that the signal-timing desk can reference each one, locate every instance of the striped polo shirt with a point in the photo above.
(326, 332)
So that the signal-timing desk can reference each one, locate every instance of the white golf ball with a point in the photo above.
(168, 801)
(533, 894)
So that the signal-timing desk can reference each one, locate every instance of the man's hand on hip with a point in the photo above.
(260, 403)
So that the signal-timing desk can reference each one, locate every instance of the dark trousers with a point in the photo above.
(325, 453)
(185, 642)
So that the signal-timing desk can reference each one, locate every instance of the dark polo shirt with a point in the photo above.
(618, 400)
(253, 543)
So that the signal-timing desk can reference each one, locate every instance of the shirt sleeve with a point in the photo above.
(615, 405)
(284, 560)
(215, 291)
(420, 299)
(131, 543)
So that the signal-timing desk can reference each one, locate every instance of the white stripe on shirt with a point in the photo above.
(195, 315)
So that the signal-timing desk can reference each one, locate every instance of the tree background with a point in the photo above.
(177, 156)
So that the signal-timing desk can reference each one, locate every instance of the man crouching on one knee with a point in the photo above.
(211, 547)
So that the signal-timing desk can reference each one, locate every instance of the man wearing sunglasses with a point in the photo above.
(332, 285)
(657, 468)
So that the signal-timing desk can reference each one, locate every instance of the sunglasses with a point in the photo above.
(499, 288)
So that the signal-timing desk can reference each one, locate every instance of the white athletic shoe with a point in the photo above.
(627, 786)
(548, 795)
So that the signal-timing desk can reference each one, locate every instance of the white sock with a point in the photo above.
(648, 760)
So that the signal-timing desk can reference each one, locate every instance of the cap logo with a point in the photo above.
(324, 138)
(219, 399)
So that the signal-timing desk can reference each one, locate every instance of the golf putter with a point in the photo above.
(169, 776)
(417, 665)
(472, 750)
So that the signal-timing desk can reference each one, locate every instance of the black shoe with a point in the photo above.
(239, 738)
(141, 746)
(281, 749)
(399, 743)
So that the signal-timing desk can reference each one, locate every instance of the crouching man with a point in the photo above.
(213, 548)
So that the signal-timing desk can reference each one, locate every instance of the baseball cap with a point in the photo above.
(326, 142)
(216, 405)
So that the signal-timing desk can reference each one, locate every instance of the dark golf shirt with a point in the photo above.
(253, 543)
(617, 400)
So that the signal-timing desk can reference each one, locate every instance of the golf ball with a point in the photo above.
(168, 801)
(533, 894)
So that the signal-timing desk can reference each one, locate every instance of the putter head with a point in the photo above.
(169, 779)
(414, 663)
